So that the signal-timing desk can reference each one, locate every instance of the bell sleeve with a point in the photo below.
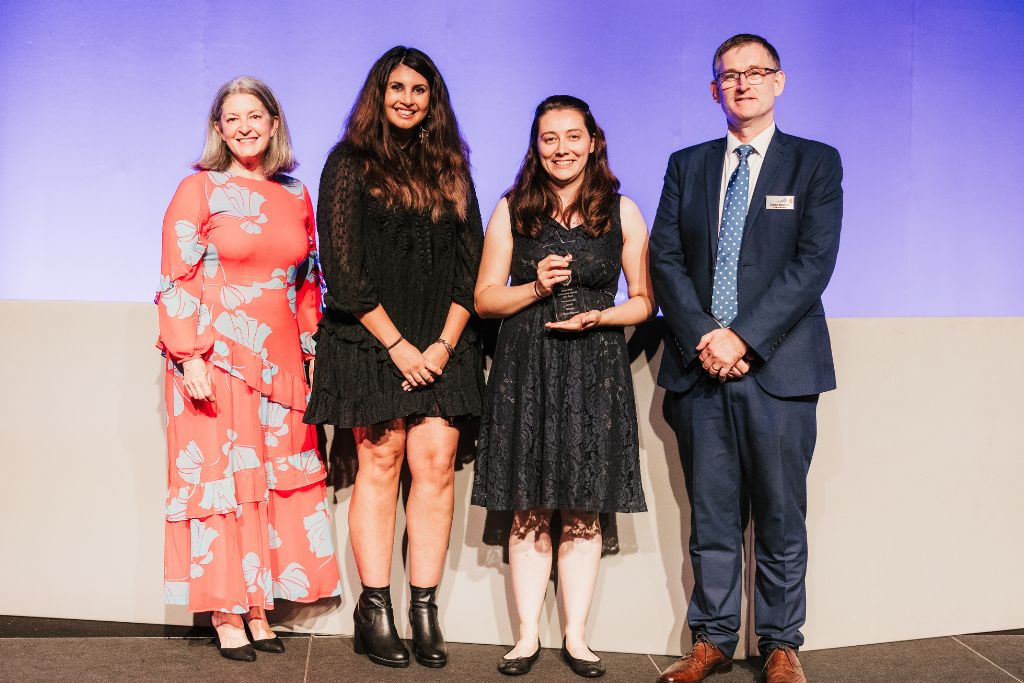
(342, 246)
(469, 244)
(308, 295)
(184, 319)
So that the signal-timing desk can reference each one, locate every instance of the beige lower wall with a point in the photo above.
(915, 491)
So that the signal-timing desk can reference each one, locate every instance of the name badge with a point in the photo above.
(779, 202)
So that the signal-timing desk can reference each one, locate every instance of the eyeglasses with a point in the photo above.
(755, 76)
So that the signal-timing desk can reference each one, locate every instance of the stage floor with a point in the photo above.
(36, 649)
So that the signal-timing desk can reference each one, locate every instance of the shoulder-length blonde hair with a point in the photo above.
(278, 157)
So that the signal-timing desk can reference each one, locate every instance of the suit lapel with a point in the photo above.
(778, 151)
(714, 161)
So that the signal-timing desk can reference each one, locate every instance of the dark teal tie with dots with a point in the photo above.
(734, 215)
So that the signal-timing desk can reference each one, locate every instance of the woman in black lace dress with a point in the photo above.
(400, 240)
(559, 428)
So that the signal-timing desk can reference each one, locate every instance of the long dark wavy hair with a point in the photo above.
(533, 198)
(432, 173)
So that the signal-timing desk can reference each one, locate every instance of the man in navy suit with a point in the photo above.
(743, 245)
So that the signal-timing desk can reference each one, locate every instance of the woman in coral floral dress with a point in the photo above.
(247, 515)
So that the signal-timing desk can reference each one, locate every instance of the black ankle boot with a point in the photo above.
(376, 636)
(428, 644)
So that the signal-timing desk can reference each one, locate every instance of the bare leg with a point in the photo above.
(229, 629)
(258, 625)
(430, 450)
(579, 556)
(529, 559)
(371, 512)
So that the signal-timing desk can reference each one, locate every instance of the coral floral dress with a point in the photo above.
(247, 514)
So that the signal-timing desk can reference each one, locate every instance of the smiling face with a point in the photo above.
(748, 107)
(564, 145)
(246, 127)
(406, 98)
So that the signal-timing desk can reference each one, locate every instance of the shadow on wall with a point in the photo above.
(644, 347)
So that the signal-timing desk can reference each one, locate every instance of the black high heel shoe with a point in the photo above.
(582, 667)
(273, 645)
(520, 665)
(428, 644)
(376, 636)
(244, 653)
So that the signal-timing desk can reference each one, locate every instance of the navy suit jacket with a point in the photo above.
(786, 260)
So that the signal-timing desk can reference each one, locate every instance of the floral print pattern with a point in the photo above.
(247, 520)
(240, 202)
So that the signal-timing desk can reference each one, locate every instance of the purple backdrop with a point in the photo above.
(102, 111)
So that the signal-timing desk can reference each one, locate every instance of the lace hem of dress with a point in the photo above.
(551, 501)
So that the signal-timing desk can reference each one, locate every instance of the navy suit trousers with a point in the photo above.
(745, 452)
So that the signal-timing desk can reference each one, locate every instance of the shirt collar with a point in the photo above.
(759, 143)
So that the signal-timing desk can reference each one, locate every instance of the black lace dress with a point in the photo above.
(559, 424)
(415, 268)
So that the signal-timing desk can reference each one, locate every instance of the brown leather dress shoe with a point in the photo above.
(782, 666)
(703, 659)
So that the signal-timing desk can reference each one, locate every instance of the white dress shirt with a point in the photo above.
(754, 161)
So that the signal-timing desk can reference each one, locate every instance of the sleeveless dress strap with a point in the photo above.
(617, 214)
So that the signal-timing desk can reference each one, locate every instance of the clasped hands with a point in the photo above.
(418, 368)
(722, 354)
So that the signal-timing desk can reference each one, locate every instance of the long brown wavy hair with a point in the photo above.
(432, 173)
(532, 199)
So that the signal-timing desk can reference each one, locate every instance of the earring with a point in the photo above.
(424, 131)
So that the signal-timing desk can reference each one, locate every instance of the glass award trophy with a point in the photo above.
(566, 301)
(565, 298)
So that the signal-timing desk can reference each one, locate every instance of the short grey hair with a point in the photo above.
(743, 39)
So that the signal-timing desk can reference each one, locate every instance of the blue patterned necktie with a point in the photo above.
(724, 301)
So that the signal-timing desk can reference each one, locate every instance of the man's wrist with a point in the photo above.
(742, 342)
